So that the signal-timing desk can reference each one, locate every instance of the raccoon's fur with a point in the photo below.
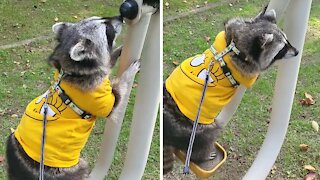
(85, 53)
(84, 50)
(261, 43)
(154, 3)
(168, 159)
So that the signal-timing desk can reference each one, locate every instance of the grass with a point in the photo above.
(244, 134)
(24, 73)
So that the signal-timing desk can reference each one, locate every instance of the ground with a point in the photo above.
(188, 25)
(24, 73)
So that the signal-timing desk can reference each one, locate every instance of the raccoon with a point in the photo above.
(83, 58)
(259, 42)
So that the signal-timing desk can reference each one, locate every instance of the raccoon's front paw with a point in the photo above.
(132, 70)
(115, 55)
(117, 52)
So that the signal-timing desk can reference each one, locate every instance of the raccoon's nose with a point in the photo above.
(296, 52)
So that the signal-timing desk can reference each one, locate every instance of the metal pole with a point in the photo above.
(131, 51)
(296, 22)
(146, 104)
(228, 111)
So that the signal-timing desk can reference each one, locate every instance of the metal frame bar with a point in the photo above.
(296, 23)
(147, 98)
(146, 104)
(296, 15)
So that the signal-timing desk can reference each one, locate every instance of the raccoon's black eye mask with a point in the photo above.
(281, 53)
(110, 33)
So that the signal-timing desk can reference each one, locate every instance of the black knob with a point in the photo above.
(129, 9)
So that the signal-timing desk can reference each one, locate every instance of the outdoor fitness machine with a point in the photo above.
(141, 42)
(295, 14)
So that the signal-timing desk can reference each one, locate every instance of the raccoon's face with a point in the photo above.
(259, 40)
(85, 46)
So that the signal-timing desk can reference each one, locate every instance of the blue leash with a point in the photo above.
(43, 140)
(186, 168)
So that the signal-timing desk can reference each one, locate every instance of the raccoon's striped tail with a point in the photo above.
(168, 159)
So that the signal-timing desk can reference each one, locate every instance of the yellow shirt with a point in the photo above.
(185, 84)
(66, 132)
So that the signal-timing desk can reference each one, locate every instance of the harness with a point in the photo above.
(219, 57)
(66, 100)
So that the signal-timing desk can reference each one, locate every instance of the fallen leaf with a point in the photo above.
(206, 2)
(304, 147)
(2, 112)
(309, 168)
(234, 155)
(273, 170)
(310, 176)
(315, 125)
(167, 4)
(231, 148)
(76, 17)
(43, 1)
(185, 1)
(56, 19)
(22, 73)
(14, 115)
(176, 63)
(11, 130)
(135, 85)
(207, 38)
(230, 4)
(24, 86)
(309, 100)
(307, 95)
(16, 62)
(2, 159)
(197, 6)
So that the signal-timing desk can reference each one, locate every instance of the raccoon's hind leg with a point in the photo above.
(120, 89)
(168, 159)
(19, 165)
(205, 154)
(22, 167)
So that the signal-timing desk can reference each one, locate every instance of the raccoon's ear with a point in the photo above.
(267, 15)
(261, 13)
(270, 16)
(57, 28)
(83, 50)
(266, 38)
